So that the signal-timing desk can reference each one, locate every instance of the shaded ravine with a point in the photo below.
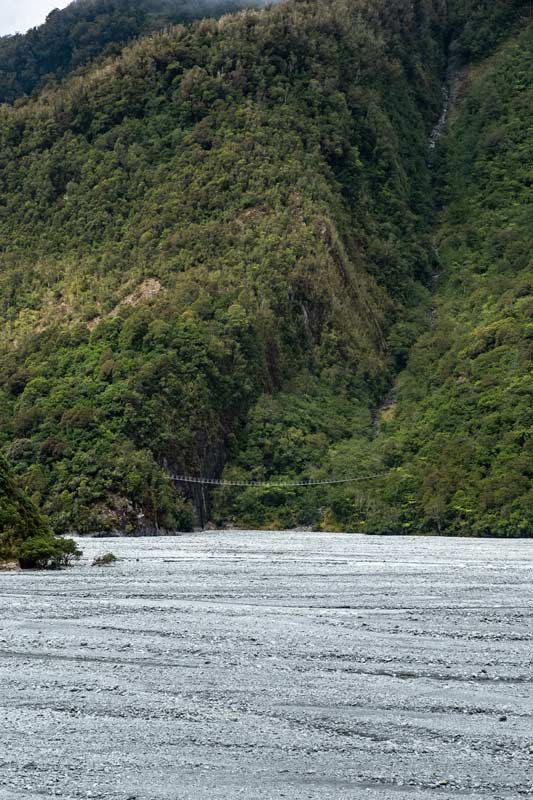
(455, 78)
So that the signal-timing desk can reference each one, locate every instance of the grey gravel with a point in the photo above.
(267, 665)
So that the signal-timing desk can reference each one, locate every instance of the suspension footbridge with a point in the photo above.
(275, 484)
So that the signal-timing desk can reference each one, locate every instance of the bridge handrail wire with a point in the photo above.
(273, 484)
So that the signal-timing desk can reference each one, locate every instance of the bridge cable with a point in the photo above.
(274, 484)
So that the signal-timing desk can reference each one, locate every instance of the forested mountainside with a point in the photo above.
(75, 36)
(454, 438)
(224, 210)
(462, 425)
(218, 254)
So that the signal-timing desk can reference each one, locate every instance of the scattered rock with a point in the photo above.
(9, 566)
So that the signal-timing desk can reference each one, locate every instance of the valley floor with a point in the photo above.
(267, 665)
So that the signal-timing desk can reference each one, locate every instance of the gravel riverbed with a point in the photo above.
(218, 666)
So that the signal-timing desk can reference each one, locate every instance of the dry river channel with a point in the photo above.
(229, 665)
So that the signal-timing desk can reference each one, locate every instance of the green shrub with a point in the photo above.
(48, 552)
(104, 560)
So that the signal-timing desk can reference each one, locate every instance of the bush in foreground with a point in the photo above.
(48, 552)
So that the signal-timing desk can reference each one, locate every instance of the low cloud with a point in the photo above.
(19, 16)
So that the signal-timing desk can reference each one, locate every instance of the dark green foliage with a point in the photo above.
(24, 535)
(193, 225)
(86, 29)
(17, 513)
(217, 250)
(477, 27)
(455, 444)
(289, 437)
(48, 552)
(459, 442)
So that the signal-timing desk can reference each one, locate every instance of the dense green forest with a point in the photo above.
(25, 536)
(218, 256)
(461, 429)
(86, 30)
(454, 437)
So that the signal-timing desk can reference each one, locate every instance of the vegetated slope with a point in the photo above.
(217, 247)
(86, 29)
(477, 27)
(224, 212)
(24, 535)
(454, 449)
(463, 423)
(15, 508)
(456, 445)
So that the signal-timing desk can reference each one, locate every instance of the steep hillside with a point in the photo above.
(16, 511)
(218, 253)
(479, 26)
(462, 427)
(86, 29)
(454, 440)
(224, 211)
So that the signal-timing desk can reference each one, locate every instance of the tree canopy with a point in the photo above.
(25, 536)
(85, 30)
(219, 251)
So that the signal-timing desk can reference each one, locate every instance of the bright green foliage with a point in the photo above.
(24, 535)
(195, 224)
(84, 30)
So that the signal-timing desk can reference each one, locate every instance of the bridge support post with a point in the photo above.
(200, 504)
